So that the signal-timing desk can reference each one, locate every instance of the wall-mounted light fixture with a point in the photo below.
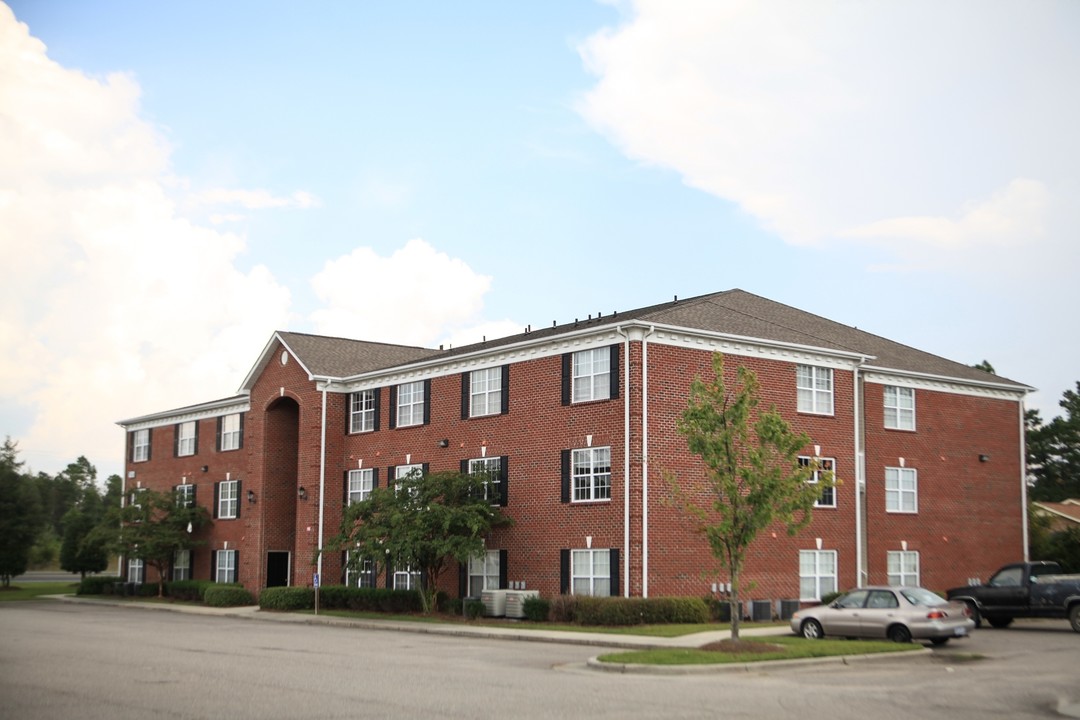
(984, 458)
(301, 492)
(444, 443)
(251, 497)
(205, 468)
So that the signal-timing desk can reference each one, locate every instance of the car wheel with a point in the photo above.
(974, 613)
(811, 630)
(1000, 622)
(1074, 617)
(899, 634)
(939, 641)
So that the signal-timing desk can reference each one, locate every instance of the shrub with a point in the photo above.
(227, 596)
(473, 609)
(628, 611)
(189, 590)
(537, 609)
(96, 585)
(452, 606)
(287, 598)
(827, 598)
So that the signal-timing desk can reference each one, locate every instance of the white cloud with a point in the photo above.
(114, 303)
(889, 124)
(416, 296)
(254, 199)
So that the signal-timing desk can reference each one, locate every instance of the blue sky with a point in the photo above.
(182, 179)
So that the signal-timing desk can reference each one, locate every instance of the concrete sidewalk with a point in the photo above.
(513, 631)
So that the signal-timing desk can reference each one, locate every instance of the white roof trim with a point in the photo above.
(194, 412)
(938, 383)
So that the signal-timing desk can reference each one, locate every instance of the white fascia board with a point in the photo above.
(942, 383)
(227, 406)
(264, 360)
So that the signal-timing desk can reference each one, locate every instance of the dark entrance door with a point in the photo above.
(277, 569)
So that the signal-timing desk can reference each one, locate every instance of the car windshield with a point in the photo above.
(921, 596)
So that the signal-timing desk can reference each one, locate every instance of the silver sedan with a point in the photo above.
(897, 613)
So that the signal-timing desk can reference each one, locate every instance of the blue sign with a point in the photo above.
(316, 579)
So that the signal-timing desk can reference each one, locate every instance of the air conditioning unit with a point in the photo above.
(494, 602)
(761, 610)
(787, 608)
(515, 602)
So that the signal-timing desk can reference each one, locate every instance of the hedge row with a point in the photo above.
(340, 597)
(227, 596)
(584, 610)
(189, 590)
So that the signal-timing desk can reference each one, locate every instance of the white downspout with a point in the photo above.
(860, 481)
(645, 461)
(626, 463)
(1023, 479)
(322, 483)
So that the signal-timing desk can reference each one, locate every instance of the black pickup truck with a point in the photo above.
(1024, 590)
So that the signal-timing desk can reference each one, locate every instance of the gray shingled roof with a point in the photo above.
(341, 357)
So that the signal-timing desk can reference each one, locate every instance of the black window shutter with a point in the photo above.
(374, 478)
(503, 584)
(239, 496)
(344, 566)
(463, 578)
(424, 468)
(194, 487)
(217, 444)
(465, 390)
(241, 443)
(389, 576)
(345, 487)
(390, 476)
(213, 566)
(149, 442)
(505, 398)
(504, 478)
(567, 373)
(565, 470)
(236, 566)
(393, 407)
(176, 440)
(564, 572)
(196, 437)
(427, 402)
(464, 467)
(613, 582)
(614, 377)
(378, 395)
(217, 495)
(131, 446)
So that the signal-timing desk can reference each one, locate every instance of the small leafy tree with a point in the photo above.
(423, 522)
(82, 550)
(20, 514)
(751, 471)
(152, 526)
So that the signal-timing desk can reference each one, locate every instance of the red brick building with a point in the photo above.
(578, 423)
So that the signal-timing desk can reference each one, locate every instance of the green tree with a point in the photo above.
(1053, 451)
(20, 514)
(152, 526)
(751, 472)
(82, 550)
(423, 522)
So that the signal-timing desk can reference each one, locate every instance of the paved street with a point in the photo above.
(66, 660)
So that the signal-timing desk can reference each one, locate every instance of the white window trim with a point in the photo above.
(906, 568)
(598, 489)
(408, 579)
(185, 495)
(827, 465)
(226, 567)
(230, 502)
(182, 570)
(487, 400)
(820, 576)
(899, 492)
(356, 578)
(230, 432)
(185, 443)
(592, 577)
(136, 570)
(899, 412)
(361, 483)
(477, 466)
(410, 404)
(362, 411)
(817, 395)
(141, 445)
(585, 379)
(486, 568)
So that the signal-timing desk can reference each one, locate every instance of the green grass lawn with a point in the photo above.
(791, 648)
(32, 590)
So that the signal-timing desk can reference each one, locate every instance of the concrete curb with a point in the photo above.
(594, 663)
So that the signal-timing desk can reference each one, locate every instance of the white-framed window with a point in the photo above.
(181, 569)
(483, 573)
(901, 490)
(135, 497)
(590, 572)
(492, 468)
(404, 471)
(406, 579)
(591, 378)
(185, 439)
(815, 389)
(362, 576)
(185, 495)
(230, 432)
(225, 572)
(817, 573)
(899, 408)
(362, 411)
(140, 441)
(361, 483)
(136, 570)
(410, 404)
(485, 392)
(591, 474)
(828, 495)
(903, 567)
(228, 499)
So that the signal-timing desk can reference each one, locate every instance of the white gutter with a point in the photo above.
(645, 462)
(626, 462)
(322, 482)
(1023, 480)
(860, 481)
